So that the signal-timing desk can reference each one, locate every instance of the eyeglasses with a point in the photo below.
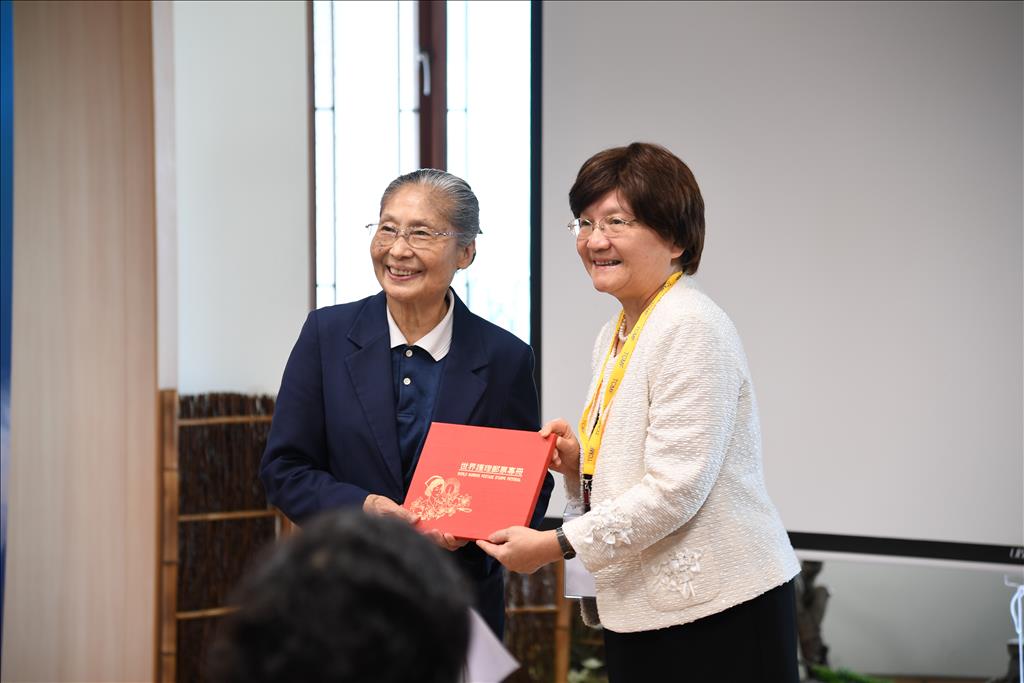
(418, 236)
(613, 226)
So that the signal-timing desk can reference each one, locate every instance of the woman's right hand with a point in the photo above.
(566, 458)
(382, 505)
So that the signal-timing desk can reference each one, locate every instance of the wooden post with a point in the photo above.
(433, 103)
(168, 578)
(563, 625)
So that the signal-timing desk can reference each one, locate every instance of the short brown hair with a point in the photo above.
(659, 187)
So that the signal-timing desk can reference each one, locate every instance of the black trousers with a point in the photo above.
(753, 642)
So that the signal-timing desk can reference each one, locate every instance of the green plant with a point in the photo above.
(590, 673)
(827, 675)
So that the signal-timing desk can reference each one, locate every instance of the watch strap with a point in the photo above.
(567, 550)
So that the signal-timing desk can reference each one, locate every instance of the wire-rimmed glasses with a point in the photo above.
(418, 236)
(612, 226)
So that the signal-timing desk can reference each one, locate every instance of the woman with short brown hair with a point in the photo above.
(658, 186)
(692, 564)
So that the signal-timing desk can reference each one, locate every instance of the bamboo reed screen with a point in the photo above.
(215, 520)
(537, 625)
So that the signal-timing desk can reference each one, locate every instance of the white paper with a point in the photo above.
(579, 583)
(488, 661)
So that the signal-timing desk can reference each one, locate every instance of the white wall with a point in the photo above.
(861, 166)
(243, 220)
(166, 175)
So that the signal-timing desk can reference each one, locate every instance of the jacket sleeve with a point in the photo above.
(522, 411)
(694, 380)
(294, 469)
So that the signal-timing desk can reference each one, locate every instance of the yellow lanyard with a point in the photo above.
(590, 439)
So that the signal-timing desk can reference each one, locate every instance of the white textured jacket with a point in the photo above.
(681, 525)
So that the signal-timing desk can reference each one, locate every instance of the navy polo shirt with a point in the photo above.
(416, 373)
(417, 377)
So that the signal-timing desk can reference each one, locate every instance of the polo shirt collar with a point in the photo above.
(437, 342)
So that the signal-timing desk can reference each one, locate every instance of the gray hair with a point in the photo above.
(463, 210)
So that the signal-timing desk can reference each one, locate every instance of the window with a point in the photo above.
(372, 123)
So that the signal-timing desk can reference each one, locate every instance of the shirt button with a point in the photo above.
(408, 353)
(406, 381)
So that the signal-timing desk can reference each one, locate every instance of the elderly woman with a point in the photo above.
(366, 379)
(692, 565)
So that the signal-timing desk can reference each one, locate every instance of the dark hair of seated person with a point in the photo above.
(350, 598)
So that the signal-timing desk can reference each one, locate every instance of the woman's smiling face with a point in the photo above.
(631, 266)
(417, 276)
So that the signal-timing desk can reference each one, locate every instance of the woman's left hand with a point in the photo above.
(522, 549)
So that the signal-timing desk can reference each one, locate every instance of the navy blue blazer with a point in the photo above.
(334, 438)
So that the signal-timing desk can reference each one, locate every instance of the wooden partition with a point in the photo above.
(538, 624)
(215, 518)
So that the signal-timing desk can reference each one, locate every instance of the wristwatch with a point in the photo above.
(567, 552)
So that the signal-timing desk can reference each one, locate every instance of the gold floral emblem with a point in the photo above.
(441, 499)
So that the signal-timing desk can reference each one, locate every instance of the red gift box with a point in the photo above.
(473, 481)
